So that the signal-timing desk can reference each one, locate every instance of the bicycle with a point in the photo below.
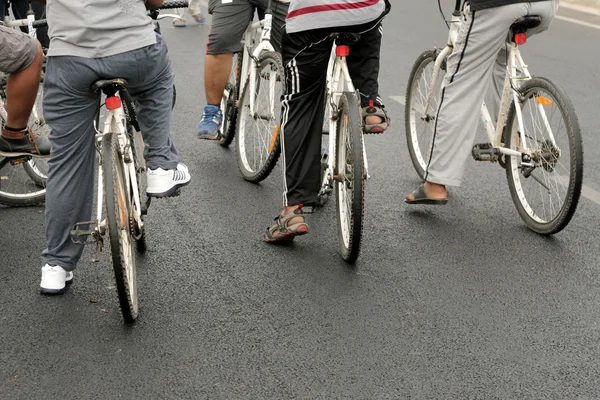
(539, 170)
(24, 186)
(252, 110)
(121, 181)
(346, 172)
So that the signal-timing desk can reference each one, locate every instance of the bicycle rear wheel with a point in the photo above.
(545, 195)
(350, 176)
(258, 146)
(420, 125)
(118, 213)
(228, 102)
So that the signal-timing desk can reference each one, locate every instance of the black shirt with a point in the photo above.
(483, 4)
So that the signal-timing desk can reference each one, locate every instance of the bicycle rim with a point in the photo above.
(228, 102)
(16, 186)
(420, 126)
(118, 212)
(545, 195)
(37, 168)
(258, 143)
(349, 170)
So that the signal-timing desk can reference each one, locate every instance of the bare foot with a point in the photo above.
(433, 191)
(296, 220)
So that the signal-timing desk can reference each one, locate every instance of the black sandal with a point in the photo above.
(420, 197)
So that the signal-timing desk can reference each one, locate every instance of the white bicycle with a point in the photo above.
(346, 171)
(23, 179)
(536, 138)
(252, 108)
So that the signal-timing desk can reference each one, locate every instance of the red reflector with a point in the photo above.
(112, 103)
(342, 51)
(520, 38)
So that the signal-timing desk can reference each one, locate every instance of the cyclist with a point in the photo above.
(22, 59)
(306, 47)
(478, 58)
(88, 42)
(230, 19)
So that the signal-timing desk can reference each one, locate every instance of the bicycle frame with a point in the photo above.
(249, 55)
(338, 82)
(516, 72)
(114, 124)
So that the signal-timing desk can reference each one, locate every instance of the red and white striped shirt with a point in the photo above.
(305, 15)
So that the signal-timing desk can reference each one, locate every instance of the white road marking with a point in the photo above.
(578, 22)
(579, 8)
(399, 99)
(586, 191)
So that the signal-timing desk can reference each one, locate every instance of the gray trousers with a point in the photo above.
(69, 108)
(478, 60)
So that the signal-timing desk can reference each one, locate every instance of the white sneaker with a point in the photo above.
(165, 182)
(55, 279)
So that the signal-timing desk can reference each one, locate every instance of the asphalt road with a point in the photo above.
(453, 302)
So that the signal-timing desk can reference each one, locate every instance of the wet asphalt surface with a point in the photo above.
(458, 302)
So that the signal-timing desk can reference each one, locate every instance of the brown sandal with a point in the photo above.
(373, 110)
(281, 231)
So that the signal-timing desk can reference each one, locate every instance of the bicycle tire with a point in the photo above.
(37, 168)
(229, 100)
(118, 209)
(16, 187)
(137, 148)
(419, 141)
(349, 165)
(547, 157)
(269, 146)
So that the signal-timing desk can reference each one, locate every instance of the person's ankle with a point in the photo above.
(13, 133)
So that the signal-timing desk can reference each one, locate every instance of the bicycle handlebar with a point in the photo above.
(42, 22)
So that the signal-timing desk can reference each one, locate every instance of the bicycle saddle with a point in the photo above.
(111, 85)
(523, 24)
(345, 38)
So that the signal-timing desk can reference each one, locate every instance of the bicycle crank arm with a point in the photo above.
(88, 232)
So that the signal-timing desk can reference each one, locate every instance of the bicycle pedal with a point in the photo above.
(83, 231)
(485, 152)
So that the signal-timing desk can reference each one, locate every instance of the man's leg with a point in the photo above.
(305, 57)
(150, 79)
(469, 72)
(69, 109)
(24, 65)
(363, 63)
(227, 29)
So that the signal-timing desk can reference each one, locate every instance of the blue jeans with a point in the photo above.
(69, 109)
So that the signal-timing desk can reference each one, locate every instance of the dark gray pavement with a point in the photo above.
(453, 302)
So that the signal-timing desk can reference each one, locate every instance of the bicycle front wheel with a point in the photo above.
(228, 102)
(546, 192)
(118, 213)
(20, 185)
(350, 176)
(419, 118)
(37, 168)
(258, 146)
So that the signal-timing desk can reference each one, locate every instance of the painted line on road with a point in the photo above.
(580, 8)
(578, 22)
(586, 191)
(399, 99)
